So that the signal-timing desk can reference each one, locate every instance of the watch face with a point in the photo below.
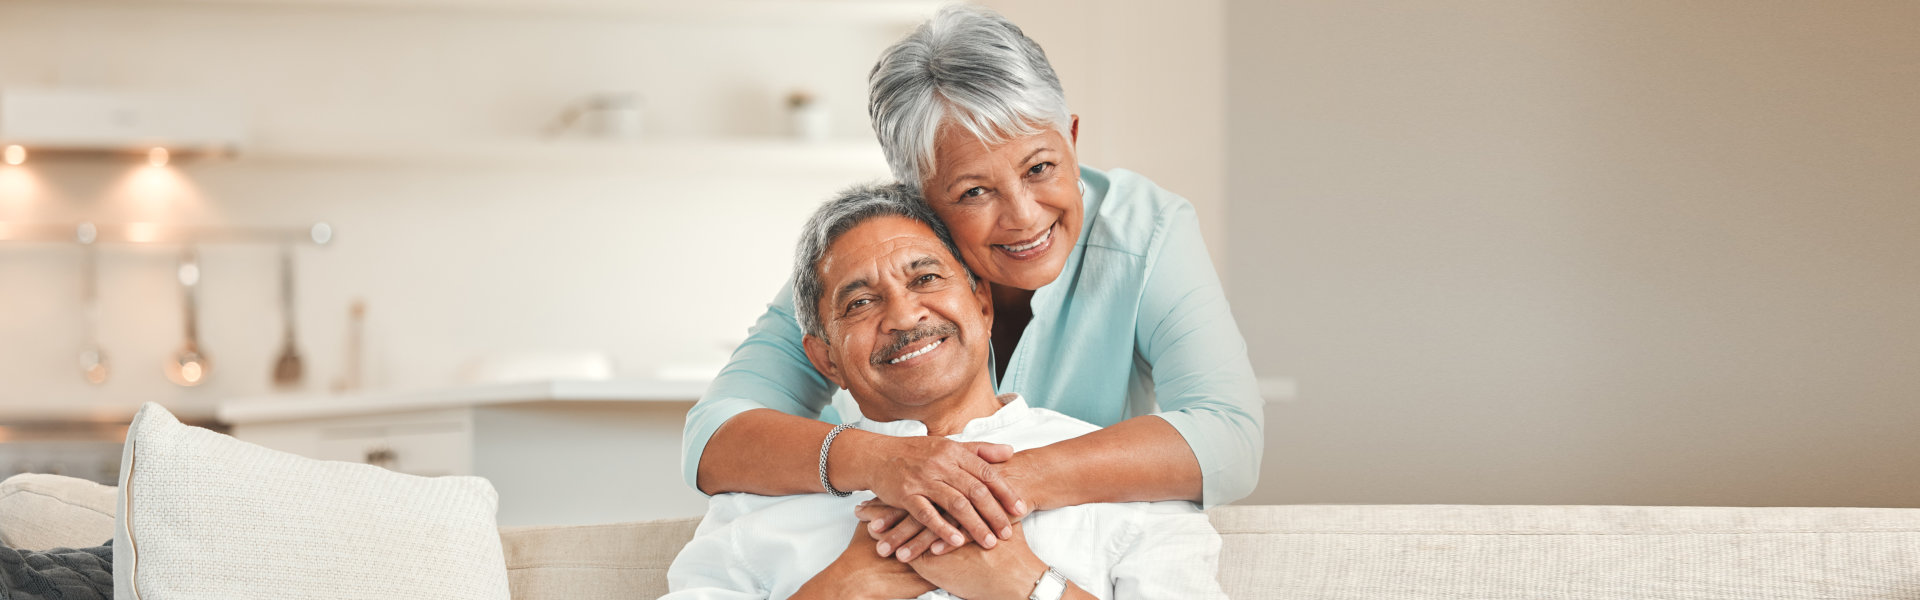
(1052, 586)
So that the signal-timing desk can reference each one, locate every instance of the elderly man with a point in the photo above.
(892, 316)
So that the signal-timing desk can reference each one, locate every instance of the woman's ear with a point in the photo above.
(983, 291)
(821, 359)
(1073, 131)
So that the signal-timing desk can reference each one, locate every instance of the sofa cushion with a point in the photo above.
(204, 515)
(40, 511)
(620, 561)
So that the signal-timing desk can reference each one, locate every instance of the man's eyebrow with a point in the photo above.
(851, 287)
(923, 262)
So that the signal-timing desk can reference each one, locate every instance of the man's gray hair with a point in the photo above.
(836, 217)
(968, 66)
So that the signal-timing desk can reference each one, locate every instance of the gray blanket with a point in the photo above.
(57, 574)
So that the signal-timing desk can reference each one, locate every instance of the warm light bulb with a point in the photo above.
(191, 373)
(158, 157)
(16, 154)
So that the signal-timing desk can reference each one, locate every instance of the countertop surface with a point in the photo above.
(308, 406)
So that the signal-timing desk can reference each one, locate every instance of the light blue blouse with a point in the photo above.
(1136, 324)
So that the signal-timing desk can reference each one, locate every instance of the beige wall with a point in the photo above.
(531, 249)
(1637, 252)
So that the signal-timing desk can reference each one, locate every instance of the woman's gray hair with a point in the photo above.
(968, 66)
(836, 217)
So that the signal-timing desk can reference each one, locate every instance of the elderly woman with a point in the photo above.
(1106, 308)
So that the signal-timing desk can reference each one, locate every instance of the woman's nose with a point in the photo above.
(1021, 208)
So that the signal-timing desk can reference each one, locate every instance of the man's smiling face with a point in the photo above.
(905, 330)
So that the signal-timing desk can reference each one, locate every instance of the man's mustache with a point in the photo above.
(902, 339)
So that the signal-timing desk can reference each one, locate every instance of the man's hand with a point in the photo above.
(926, 476)
(970, 571)
(859, 574)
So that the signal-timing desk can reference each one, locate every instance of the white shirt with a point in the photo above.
(752, 546)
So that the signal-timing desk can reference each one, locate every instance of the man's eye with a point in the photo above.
(927, 278)
(858, 303)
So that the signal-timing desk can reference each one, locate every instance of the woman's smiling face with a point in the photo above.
(1014, 209)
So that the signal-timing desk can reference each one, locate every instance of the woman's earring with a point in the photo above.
(1083, 186)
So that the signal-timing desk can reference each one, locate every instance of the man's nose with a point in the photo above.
(904, 314)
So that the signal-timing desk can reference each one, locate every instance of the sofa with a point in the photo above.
(1306, 552)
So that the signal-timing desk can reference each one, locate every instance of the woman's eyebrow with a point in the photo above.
(1036, 152)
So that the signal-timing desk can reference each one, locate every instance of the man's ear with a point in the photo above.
(822, 361)
(1073, 131)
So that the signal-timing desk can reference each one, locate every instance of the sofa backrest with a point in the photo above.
(1530, 552)
(1407, 552)
(619, 561)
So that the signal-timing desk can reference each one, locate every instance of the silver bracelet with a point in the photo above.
(824, 482)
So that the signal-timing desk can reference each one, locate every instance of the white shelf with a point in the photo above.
(655, 154)
(894, 12)
(312, 406)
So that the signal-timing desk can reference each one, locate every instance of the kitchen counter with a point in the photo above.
(314, 406)
(557, 451)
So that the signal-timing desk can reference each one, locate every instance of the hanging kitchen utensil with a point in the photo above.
(356, 336)
(288, 370)
(189, 367)
(93, 360)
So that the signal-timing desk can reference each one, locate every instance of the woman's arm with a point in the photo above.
(768, 371)
(1202, 379)
(1142, 459)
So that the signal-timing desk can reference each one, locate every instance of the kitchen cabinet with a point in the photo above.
(558, 452)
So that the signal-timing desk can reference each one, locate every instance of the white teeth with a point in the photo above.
(909, 355)
(1044, 236)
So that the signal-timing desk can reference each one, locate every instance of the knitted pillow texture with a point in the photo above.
(203, 515)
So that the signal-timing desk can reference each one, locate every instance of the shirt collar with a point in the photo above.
(1013, 409)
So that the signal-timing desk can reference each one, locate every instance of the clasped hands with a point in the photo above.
(908, 540)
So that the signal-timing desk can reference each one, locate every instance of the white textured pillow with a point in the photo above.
(40, 512)
(203, 516)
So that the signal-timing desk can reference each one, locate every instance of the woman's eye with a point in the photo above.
(972, 192)
(1040, 168)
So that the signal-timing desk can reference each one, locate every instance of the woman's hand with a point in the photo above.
(926, 476)
(901, 534)
(857, 573)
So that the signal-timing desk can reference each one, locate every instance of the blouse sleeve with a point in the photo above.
(1201, 377)
(768, 370)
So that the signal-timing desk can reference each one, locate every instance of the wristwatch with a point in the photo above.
(1052, 586)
